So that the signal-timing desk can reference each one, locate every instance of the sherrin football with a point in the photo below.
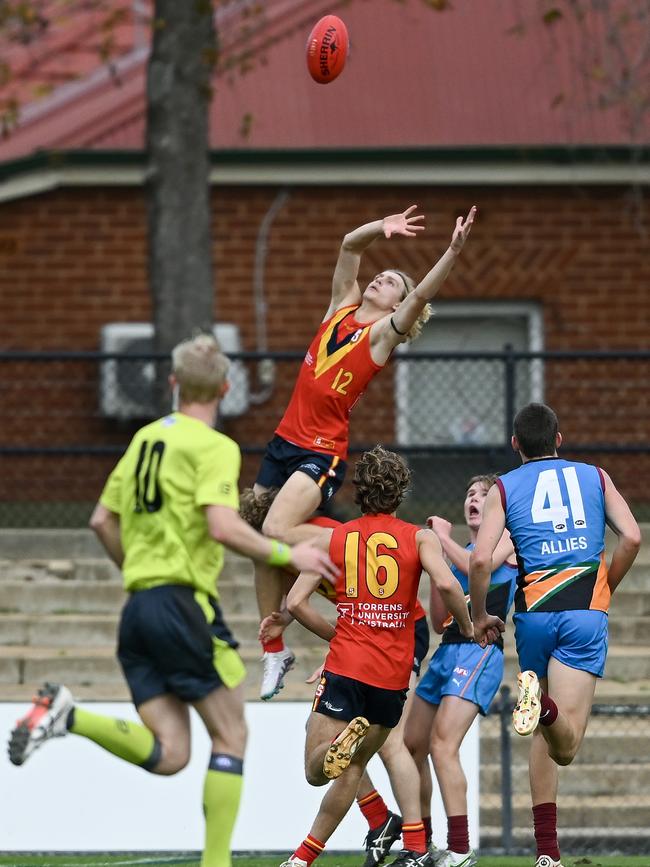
(327, 49)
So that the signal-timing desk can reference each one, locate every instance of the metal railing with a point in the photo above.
(68, 416)
(603, 800)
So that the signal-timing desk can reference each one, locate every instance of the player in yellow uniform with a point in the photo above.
(167, 509)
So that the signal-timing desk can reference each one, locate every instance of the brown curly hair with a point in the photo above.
(254, 508)
(381, 479)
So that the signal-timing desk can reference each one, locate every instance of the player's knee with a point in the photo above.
(274, 528)
(173, 760)
(441, 749)
(315, 776)
(563, 757)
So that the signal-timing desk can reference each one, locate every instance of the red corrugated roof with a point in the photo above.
(474, 74)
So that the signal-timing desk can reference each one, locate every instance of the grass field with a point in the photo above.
(143, 859)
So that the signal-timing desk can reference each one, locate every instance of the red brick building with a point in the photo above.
(443, 109)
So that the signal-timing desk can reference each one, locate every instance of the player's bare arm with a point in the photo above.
(391, 330)
(228, 527)
(345, 289)
(437, 610)
(106, 525)
(445, 582)
(299, 606)
(487, 627)
(621, 520)
(458, 555)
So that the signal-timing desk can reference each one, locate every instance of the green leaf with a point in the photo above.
(552, 15)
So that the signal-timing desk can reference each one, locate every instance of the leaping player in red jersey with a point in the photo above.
(306, 457)
(363, 685)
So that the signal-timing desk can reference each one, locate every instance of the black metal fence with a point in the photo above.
(68, 416)
(603, 799)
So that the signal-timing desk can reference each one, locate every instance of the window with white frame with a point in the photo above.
(464, 401)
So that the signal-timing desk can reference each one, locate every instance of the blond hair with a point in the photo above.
(487, 480)
(381, 479)
(427, 311)
(200, 369)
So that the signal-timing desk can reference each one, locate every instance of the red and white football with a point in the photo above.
(327, 49)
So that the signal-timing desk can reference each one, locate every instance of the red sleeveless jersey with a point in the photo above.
(376, 597)
(327, 589)
(334, 374)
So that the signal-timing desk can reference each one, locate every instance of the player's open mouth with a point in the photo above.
(473, 511)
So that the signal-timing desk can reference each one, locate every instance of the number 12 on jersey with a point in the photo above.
(548, 504)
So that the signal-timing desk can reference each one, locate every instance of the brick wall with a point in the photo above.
(74, 259)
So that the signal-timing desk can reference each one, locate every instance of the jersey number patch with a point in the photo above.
(148, 496)
(342, 380)
(376, 564)
(548, 505)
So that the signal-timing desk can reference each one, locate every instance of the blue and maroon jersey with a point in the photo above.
(555, 511)
(499, 599)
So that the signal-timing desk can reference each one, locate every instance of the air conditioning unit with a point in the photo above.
(126, 388)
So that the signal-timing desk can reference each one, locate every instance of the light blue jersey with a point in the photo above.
(555, 512)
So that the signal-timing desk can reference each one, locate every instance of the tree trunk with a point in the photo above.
(178, 164)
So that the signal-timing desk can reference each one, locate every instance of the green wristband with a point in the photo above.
(280, 554)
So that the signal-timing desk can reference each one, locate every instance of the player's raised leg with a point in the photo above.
(297, 500)
(161, 745)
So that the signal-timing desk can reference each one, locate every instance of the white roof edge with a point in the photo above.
(342, 173)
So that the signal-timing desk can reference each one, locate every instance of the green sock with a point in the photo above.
(130, 741)
(221, 796)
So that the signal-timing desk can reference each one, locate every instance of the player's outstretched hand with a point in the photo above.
(315, 675)
(462, 230)
(403, 224)
(440, 526)
(307, 558)
(488, 629)
(273, 626)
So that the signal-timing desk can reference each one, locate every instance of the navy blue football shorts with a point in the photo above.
(282, 459)
(173, 639)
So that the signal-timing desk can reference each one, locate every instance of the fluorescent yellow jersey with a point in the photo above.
(172, 469)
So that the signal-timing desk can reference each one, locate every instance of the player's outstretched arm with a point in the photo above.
(487, 627)
(446, 584)
(106, 525)
(225, 525)
(345, 289)
(406, 315)
(300, 608)
(623, 523)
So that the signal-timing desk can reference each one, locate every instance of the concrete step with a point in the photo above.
(616, 741)
(237, 571)
(604, 811)
(59, 630)
(60, 597)
(62, 543)
(118, 690)
(98, 665)
(624, 779)
(576, 840)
